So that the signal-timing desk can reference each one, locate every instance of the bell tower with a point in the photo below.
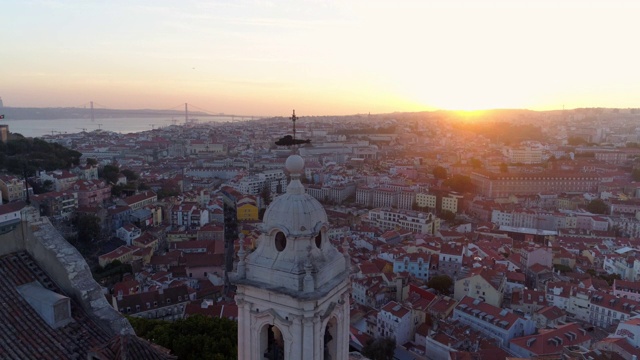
(293, 290)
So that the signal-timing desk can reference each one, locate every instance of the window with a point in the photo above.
(280, 241)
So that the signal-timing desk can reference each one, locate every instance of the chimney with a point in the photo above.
(160, 290)
(119, 295)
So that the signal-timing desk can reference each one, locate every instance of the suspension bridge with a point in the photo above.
(182, 110)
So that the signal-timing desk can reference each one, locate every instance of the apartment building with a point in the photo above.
(419, 265)
(484, 284)
(414, 221)
(500, 324)
(394, 320)
(13, 188)
(497, 185)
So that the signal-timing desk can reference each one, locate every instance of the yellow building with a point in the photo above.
(247, 209)
(450, 203)
(426, 200)
(124, 254)
(181, 235)
(484, 284)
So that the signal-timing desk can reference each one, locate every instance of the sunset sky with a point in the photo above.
(320, 57)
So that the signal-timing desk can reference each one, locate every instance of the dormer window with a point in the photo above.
(280, 241)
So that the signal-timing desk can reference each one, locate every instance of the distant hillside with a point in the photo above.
(17, 113)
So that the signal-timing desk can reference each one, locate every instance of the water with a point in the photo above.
(38, 128)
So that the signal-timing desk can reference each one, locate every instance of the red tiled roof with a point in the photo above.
(553, 341)
(25, 335)
(123, 347)
(395, 309)
(551, 312)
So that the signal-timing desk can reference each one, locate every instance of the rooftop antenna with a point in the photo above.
(294, 118)
(26, 183)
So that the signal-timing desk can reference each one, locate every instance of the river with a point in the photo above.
(38, 128)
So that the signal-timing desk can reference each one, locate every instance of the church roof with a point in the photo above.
(25, 334)
(295, 212)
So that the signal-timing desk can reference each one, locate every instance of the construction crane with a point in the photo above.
(99, 126)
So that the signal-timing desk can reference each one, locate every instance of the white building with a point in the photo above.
(492, 321)
(417, 264)
(128, 233)
(524, 155)
(629, 329)
(607, 310)
(394, 321)
(293, 290)
(414, 221)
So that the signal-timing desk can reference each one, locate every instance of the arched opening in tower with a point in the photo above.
(271, 343)
(330, 340)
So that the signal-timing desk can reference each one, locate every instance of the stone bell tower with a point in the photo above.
(293, 290)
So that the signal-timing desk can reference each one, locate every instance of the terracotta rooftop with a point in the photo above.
(553, 341)
(551, 312)
(25, 335)
(489, 313)
(395, 309)
(124, 347)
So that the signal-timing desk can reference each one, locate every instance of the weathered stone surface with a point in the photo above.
(66, 266)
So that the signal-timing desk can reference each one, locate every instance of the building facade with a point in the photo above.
(293, 290)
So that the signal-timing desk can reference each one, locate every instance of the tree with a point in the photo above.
(598, 206)
(41, 187)
(504, 168)
(380, 348)
(576, 140)
(88, 227)
(475, 163)
(441, 283)
(32, 154)
(265, 193)
(110, 173)
(439, 172)
(130, 175)
(459, 183)
(447, 215)
(196, 337)
(92, 161)
(562, 268)
(168, 190)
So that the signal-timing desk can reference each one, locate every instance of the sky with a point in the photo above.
(320, 57)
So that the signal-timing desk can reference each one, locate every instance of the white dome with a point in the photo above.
(295, 212)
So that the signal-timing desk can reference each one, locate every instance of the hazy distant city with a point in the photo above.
(494, 234)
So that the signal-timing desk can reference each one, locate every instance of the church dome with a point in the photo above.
(295, 212)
